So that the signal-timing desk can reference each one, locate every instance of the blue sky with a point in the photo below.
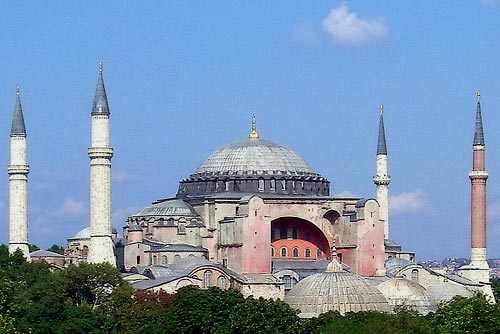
(184, 78)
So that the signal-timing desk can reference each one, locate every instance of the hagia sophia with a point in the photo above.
(254, 216)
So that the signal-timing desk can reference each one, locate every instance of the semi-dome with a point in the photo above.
(172, 207)
(254, 165)
(254, 154)
(335, 290)
(402, 292)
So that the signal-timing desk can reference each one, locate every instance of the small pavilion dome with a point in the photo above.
(402, 292)
(335, 290)
(171, 207)
(445, 291)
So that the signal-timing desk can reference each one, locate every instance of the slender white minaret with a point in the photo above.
(18, 183)
(478, 270)
(382, 180)
(100, 154)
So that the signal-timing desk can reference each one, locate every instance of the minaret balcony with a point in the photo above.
(383, 180)
(478, 174)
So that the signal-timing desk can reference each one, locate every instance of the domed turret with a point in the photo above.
(254, 165)
(402, 292)
(335, 290)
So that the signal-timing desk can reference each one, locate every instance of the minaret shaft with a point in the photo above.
(478, 270)
(100, 154)
(478, 177)
(382, 179)
(18, 184)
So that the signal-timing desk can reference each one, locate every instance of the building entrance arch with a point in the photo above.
(297, 238)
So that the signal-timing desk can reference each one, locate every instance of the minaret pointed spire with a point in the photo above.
(100, 106)
(381, 147)
(253, 134)
(18, 128)
(478, 133)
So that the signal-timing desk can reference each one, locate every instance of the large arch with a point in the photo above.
(302, 239)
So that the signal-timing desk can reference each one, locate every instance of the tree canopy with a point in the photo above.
(93, 298)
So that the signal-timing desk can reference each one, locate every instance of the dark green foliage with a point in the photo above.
(467, 315)
(56, 249)
(495, 286)
(33, 248)
(93, 298)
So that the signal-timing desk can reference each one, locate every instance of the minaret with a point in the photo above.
(382, 180)
(100, 154)
(478, 270)
(18, 183)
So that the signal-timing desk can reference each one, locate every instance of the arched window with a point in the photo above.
(319, 253)
(177, 257)
(272, 185)
(283, 231)
(295, 252)
(283, 184)
(272, 251)
(138, 259)
(288, 282)
(221, 282)
(414, 275)
(155, 259)
(164, 259)
(283, 252)
(261, 184)
(85, 251)
(207, 282)
(162, 221)
(181, 228)
(307, 252)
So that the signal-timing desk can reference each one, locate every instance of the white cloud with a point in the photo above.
(303, 34)
(122, 176)
(408, 202)
(71, 207)
(120, 215)
(346, 28)
(345, 193)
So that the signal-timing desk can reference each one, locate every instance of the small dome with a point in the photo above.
(445, 291)
(402, 292)
(173, 207)
(83, 234)
(254, 154)
(338, 291)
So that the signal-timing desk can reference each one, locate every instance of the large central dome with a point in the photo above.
(250, 166)
(254, 154)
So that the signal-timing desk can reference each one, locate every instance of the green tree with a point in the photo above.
(56, 249)
(495, 286)
(467, 315)
(32, 248)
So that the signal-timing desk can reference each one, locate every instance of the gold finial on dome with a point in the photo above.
(334, 266)
(253, 134)
(478, 95)
(381, 108)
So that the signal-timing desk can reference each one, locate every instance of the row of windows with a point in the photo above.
(296, 252)
(207, 280)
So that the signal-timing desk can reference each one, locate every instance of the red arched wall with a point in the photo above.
(300, 234)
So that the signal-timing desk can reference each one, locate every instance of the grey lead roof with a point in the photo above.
(478, 133)
(254, 154)
(381, 147)
(18, 128)
(100, 105)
